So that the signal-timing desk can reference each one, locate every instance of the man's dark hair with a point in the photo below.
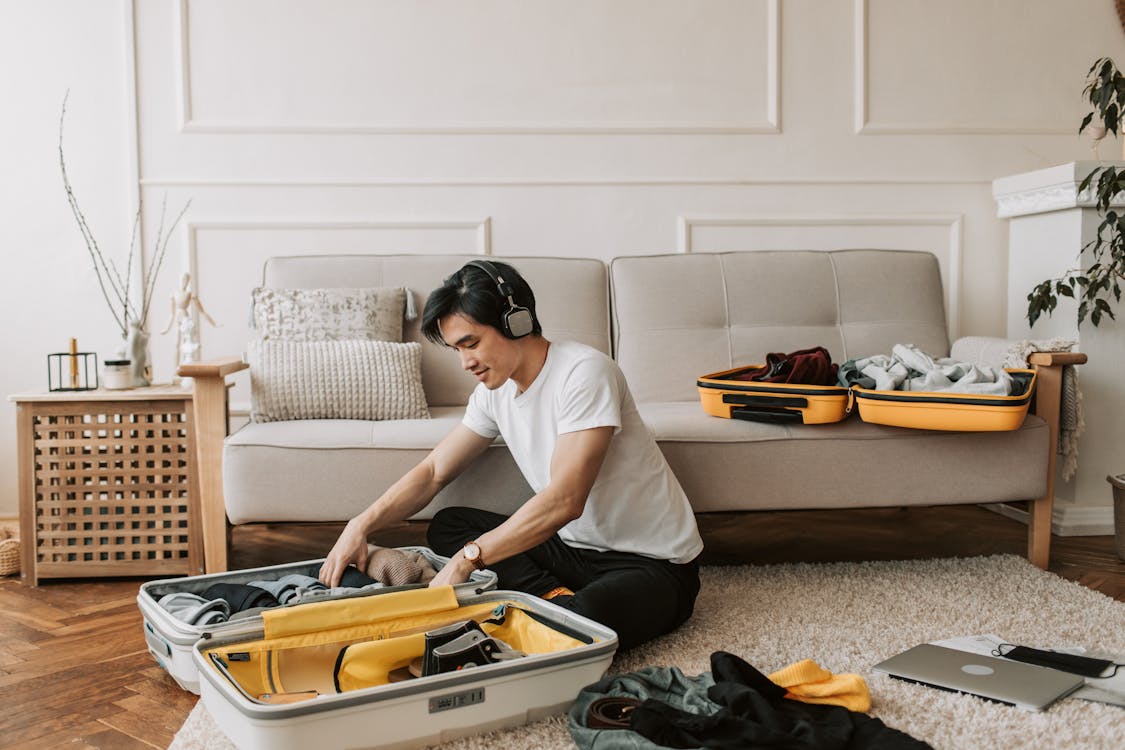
(472, 291)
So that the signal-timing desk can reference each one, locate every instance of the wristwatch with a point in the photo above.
(471, 552)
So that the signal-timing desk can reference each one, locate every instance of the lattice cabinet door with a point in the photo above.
(110, 487)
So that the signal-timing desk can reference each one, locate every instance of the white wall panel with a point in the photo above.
(497, 66)
(965, 66)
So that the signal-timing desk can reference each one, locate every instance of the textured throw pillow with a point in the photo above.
(329, 314)
(356, 379)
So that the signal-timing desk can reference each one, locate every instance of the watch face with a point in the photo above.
(471, 551)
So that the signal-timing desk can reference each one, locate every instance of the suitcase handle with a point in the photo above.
(767, 401)
(777, 416)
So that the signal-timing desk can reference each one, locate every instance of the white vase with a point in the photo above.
(136, 347)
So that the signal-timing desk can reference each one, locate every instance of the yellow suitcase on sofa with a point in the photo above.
(723, 395)
(924, 410)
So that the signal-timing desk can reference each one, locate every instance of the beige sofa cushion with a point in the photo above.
(331, 469)
(677, 317)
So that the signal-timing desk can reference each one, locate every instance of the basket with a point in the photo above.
(9, 553)
(1118, 483)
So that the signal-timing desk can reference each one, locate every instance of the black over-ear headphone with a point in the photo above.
(515, 322)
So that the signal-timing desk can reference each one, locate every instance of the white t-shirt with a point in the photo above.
(636, 504)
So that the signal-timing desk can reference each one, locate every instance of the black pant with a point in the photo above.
(638, 597)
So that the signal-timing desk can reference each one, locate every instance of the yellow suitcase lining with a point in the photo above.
(323, 648)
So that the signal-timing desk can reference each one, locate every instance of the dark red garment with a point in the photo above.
(806, 367)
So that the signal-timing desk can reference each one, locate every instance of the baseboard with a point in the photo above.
(1067, 520)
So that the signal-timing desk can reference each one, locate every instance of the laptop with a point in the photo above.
(1022, 685)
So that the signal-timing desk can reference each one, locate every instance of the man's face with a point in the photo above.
(484, 351)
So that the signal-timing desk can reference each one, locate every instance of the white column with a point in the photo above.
(1049, 223)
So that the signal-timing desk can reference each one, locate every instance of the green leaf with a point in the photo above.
(1095, 317)
(1085, 121)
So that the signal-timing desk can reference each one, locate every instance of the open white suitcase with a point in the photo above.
(318, 676)
(170, 640)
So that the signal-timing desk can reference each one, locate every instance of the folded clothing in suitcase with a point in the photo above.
(728, 394)
(322, 675)
(170, 637)
(946, 410)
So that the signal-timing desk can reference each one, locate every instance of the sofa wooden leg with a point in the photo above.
(1039, 531)
(211, 426)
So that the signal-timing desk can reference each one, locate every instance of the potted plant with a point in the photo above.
(1102, 262)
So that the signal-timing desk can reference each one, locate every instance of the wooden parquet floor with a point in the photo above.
(75, 672)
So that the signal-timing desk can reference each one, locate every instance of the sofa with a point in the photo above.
(666, 319)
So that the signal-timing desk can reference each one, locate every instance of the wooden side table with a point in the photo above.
(108, 483)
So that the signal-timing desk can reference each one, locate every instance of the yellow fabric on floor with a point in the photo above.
(809, 682)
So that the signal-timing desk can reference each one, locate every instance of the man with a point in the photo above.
(609, 533)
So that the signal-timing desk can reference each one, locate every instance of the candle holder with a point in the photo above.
(72, 371)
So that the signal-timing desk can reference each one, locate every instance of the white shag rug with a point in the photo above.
(849, 616)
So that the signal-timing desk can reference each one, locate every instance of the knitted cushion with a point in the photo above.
(329, 314)
(355, 379)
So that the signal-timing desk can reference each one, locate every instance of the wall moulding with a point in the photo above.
(862, 88)
(952, 225)
(190, 122)
(481, 228)
(579, 182)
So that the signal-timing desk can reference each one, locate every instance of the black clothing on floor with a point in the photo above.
(638, 597)
(755, 714)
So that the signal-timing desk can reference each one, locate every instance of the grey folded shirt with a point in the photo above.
(286, 588)
(194, 609)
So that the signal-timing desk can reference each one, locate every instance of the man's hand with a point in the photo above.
(457, 570)
(350, 548)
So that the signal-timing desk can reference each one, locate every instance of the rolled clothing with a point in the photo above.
(240, 596)
(908, 368)
(285, 588)
(194, 609)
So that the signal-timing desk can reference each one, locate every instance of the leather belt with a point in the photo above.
(611, 712)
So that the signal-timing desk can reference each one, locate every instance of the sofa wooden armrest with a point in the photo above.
(212, 423)
(1048, 404)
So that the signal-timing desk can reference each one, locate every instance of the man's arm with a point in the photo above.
(404, 498)
(575, 465)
